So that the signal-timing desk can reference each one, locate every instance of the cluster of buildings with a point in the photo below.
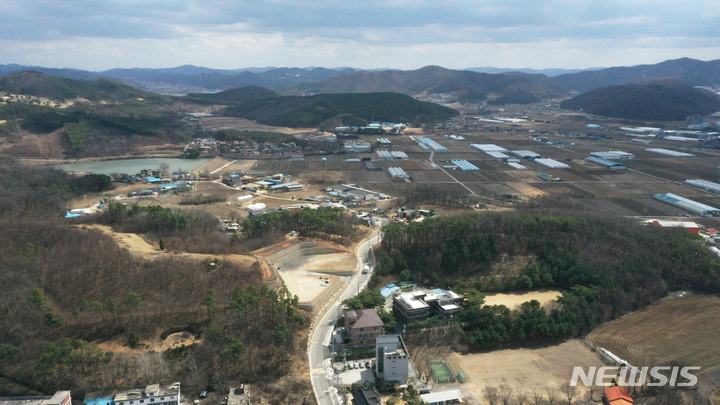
(420, 305)
(257, 181)
(247, 149)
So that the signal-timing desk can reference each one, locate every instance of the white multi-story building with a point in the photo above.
(154, 394)
(392, 360)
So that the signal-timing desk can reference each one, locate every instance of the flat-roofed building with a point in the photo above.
(409, 306)
(59, 398)
(392, 360)
(154, 394)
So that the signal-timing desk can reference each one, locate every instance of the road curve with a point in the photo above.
(321, 373)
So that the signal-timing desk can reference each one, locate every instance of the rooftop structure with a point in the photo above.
(363, 326)
(613, 154)
(154, 393)
(704, 184)
(691, 227)
(497, 155)
(668, 152)
(551, 163)
(517, 166)
(526, 154)
(616, 396)
(386, 154)
(488, 147)
(357, 146)
(688, 205)
(442, 397)
(608, 164)
(392, 361)
(398, 173)
(366, 396)
(432, 145)
(59, 398)
(465, 165)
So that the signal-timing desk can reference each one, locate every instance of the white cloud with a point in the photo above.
(373, 33)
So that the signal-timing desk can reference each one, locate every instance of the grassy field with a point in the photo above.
(681, 328)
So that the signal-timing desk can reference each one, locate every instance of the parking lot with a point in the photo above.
(356, 375)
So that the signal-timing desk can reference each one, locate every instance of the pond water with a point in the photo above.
(133, 166)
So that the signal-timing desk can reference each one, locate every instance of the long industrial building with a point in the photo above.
(497, 155)
(668, 152)
(688, 205)
(608, 164)
(613, 154)
(704, 184)
(551, 163)
(487, 147)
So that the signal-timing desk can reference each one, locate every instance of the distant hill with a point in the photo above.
(468, 86)
(689, 71)
(222, 79)
(666, 100)
(547, 72)
(58, 88)
(301, 112)
(232, 96)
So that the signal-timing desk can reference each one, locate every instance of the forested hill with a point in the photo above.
(58, 88)
(232, 96)
(667, 100)
(303, 112)
(605, 266)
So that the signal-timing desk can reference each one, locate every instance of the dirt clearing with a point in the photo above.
(513, 301)
(529, 369)
(681, 328)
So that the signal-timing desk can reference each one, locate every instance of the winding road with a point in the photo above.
(319, 356)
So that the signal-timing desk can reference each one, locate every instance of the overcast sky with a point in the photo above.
(402, 34)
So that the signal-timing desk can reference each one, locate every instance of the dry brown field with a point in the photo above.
(682, 328)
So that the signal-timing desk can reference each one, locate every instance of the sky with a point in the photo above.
(367, 34)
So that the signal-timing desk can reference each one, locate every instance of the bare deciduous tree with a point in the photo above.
(552, 394)
(491, 395)
(506, 393)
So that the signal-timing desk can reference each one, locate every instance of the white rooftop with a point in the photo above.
(441, 396)
(411, 301)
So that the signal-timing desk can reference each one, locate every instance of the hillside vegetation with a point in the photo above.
(299, 112)
(605, 266)
(58, 88)
(668, 100)
(232, 96)
(66, 288)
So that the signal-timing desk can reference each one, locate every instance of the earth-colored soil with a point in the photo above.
(514, 300)
(155, 344)
(242, 124)
(681, 328)
(527, 369)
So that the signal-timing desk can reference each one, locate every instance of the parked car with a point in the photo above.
(350, 366)
(367, 364)
(203, 394)
(362, 365)
(357, 365)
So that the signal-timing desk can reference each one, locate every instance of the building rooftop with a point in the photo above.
(411, 301)
(617, 396)
(152, 390)
(435, 397)
(59, 398)
(364, 318)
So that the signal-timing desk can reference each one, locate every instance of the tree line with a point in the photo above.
(605, 267)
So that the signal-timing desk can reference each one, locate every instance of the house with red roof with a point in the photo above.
(616, 396)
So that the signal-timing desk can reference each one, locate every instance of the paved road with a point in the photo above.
(318, 352)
